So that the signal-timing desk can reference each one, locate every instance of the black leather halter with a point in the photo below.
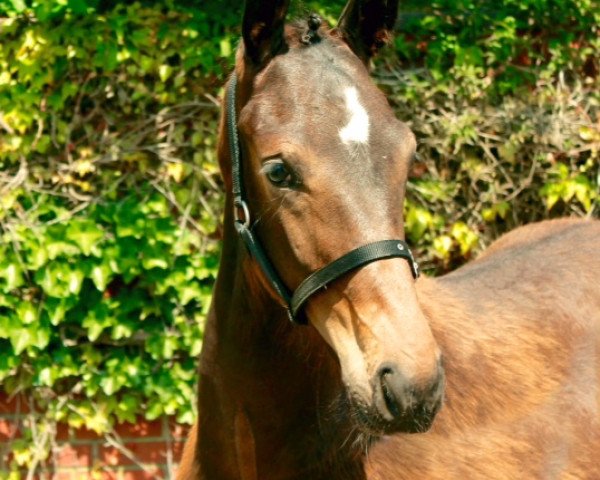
(293, 301)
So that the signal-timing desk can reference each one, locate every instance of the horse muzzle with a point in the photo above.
(399, 405)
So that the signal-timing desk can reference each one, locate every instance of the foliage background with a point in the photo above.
(110, 197)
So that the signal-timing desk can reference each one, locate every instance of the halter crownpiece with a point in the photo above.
(294, 301)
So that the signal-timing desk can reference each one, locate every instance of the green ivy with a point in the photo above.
(108, 303)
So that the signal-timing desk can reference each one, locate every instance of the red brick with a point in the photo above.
(38, 476)
(67, 474)
(147, 453)
(177, 450)
(142, 429)
(73, 456)
(63, 432)
(85, 434)
(9, 429)
(133, 474)
(14, 404)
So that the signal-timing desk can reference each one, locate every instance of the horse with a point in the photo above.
(325, 354)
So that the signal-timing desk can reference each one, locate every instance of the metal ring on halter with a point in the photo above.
(240, 206)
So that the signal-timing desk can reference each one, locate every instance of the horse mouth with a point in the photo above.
(368, 419)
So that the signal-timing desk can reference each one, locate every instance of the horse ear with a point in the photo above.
(366, 25)
(262, 29)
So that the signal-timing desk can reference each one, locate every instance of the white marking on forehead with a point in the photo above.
(357, 129)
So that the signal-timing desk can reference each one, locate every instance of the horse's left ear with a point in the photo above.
(366, 25)
(262, 29)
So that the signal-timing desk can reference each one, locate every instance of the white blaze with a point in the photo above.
(357, 129)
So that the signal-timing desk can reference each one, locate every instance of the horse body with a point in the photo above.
(520, 332)
(522, 355)
(516, 333)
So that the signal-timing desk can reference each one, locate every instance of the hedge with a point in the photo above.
(110, 198)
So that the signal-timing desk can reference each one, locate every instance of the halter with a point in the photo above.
(293, 301)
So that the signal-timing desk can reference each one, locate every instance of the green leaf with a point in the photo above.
(47, 376)
(13, 275)
(488, 214)
(109, 385)
(21, 338)
(58, 248)
(107, 56)
(97, 319)
(225, 47)
(18, 5)
(40, 335)
(85, 234)
(101, 274)
(74, 279)
(79, 7)
(27, 313)
(154, 410)
(443, 246)
(418, 220)
(56, 309)
(467, 239)
(127, 409)
(164, 72)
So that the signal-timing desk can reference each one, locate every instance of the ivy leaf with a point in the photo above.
(74, 279)
(27, 313)
(20, 338)
(56, 248)
(101, 275)
(18, 5)
(97, 319)
(128, 408)
(467, 239)
(55, 309)
(40, 335)
(13, 275)
(443, 246)
(85, 234)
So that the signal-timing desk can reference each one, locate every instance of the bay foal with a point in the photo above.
(511, 341)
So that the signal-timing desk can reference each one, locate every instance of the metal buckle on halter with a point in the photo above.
(240, 207)
(414, 266)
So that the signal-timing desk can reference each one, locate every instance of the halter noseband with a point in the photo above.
(293, 301)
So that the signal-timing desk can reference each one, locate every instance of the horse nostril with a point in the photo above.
(394, 391)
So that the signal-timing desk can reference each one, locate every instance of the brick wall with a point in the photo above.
(146, 450)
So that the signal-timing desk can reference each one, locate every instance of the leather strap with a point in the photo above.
(257, 252)
(350, 261)
(234, 143)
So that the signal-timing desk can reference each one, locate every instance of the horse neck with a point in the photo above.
(264, 385)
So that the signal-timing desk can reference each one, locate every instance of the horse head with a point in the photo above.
(325, 166)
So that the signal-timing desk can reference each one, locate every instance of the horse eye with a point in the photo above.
(278, 173)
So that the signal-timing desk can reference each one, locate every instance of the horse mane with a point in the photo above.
(304, 32)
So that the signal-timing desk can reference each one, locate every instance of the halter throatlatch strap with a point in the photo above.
(293, 302)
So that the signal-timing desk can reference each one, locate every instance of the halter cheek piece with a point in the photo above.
(293, 301)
